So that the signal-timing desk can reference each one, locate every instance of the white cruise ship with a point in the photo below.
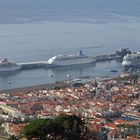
(6, 66)
(65, 60)
(132, 60)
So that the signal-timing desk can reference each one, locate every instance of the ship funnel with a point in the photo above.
(5, 60)
(80, 53)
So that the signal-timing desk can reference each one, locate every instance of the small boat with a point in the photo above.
(68, 75)
(50, 75)
(113, 71)
(9, 82)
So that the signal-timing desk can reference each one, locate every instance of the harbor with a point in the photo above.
(42, 72)
(70, 70)
(45, 64)
(43, 76)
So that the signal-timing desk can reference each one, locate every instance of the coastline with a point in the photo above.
(66, 83)
(60, 84)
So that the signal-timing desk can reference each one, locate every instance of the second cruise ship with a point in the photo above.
(66, 60)
(6, 66)
(132, 60)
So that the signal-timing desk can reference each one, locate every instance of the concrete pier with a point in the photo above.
(31, 65)
(45, 64)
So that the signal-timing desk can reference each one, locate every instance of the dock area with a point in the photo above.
(106, 57)
(45, 64)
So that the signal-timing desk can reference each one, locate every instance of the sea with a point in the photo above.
(35, 30)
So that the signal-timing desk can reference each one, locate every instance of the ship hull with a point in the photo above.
(73, 65)
(10, 69)
(74, 62)
(128, 64)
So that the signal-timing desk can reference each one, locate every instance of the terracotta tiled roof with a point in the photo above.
(119, 121)
(111, 125)
(131, 138)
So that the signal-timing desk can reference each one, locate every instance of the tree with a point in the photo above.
(13, 138)
(63, 127)
(128, 130)
(72, 126)
(42, 128)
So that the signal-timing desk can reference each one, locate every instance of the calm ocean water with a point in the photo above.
(34, 30)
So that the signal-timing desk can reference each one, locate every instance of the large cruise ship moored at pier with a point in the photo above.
(132, 60)
(6, 66)
(65, 60)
